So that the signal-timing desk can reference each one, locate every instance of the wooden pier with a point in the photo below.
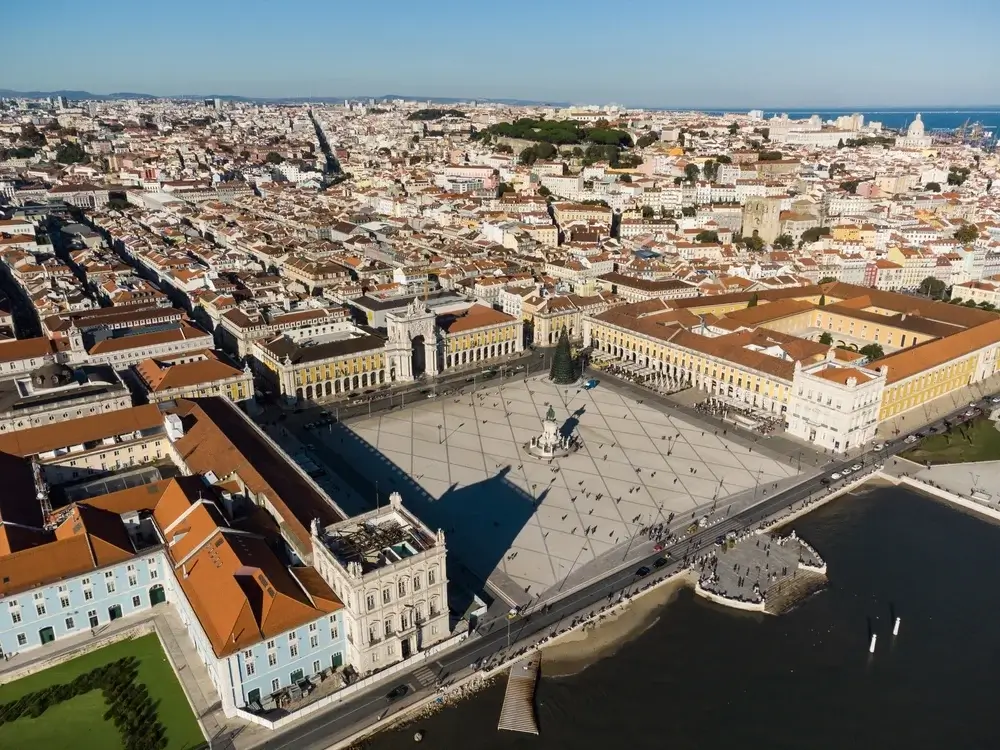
(518, 712)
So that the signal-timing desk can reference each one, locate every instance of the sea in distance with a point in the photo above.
(935, 118)
(701, 676)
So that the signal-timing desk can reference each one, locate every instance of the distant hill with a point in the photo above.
(83, 95)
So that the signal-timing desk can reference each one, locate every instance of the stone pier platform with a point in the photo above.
(760, 572)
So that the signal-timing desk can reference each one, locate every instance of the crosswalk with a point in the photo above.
(424, 676)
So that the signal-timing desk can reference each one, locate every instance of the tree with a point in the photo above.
(734, 128)
(273, 157)
(647, 140)
(783, 241)
(872, 351)
(707, 237)
(932, 287)
(691, 172)
(967, 234)
(503, 148)
(663, 212)
(528, 156)
(840, 143)
(563, 370)
(505, 188)
(826, 339)
(709, 169)
(544, 191)
(71, 153)
(814, 233)
(753, 300)
(625, 178)
(822, 300)
(647, 212)
(933, 187)
(827, 280)
(577, 152)
(754, 243)
(851, 186)
(678, 181)
(957, 175)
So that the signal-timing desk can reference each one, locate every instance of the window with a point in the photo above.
(370, 601)
(312, 627)
(373, 633)
(22, 639)
(401, 587)
(431, 576)
(15, 611)
(293, 649)
(270, 644)
(404, 621)
(40, 603)
(136, 602)
(374, 657)
(275, 685)
(317, 667)
(313, 641)
(109, 580)
(293, 636)
(133, 577)
(249, 663)
(334, 633)
(386, 596)
(416, 583)
(388, 627)
(272, 658)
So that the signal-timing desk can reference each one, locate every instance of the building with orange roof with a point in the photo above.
(194, 375)
(768, 357)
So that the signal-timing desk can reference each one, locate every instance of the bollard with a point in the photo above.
(871, 646)
(895, 627)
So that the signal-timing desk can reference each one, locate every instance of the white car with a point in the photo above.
(910, 439)
(845, 472)
(995, 400)
(835, 476)
(856, 467)
(878, 446)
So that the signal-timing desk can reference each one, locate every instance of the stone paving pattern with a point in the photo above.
(538, 521)
(761, 560)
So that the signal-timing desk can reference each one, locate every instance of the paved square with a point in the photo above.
(504, 510)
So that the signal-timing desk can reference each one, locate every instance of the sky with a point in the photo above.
(653, 53)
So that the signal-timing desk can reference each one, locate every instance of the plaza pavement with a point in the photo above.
(529, 525)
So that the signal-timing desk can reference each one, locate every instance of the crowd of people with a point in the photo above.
(765, 424)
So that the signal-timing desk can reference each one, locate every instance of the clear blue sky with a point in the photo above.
(696, 53)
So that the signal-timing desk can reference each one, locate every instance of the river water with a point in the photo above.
(707, 677)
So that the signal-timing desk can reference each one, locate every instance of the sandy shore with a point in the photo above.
(577, 650)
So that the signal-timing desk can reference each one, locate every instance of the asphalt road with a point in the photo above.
(493, 637)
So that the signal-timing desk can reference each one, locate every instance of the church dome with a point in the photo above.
(916, 127)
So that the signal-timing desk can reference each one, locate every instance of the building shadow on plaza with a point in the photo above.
(480, 520)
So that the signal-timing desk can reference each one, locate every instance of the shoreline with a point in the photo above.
(572, 652)
(591, 640)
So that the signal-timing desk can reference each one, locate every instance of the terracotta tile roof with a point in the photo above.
(45, 564)
(218, 439)
(160, 375)
(843, 374)
(105, 533)
(12, 350)
(477, 316)
(183, 332)
(930, 354)
(37, 440)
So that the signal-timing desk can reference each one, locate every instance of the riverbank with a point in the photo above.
(576, 650)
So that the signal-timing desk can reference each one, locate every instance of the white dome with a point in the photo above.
(916, 127)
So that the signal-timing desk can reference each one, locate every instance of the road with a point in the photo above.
(493, 641)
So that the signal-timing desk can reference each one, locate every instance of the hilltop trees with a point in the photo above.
(932, 287)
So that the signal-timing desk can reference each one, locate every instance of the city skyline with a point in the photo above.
(649, 56)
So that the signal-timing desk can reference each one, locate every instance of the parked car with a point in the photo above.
(836, 475)
(879, 446)
(845, 472)
(642, 572)
(856, 467)
(590, 384)
(910, 439)
(660, 562)
(995, 400)
(397, 692)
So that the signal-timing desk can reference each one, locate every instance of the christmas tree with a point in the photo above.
(563, 370)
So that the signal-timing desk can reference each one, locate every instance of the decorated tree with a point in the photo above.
(563, 371)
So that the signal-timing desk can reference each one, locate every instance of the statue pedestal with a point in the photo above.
(550, 444)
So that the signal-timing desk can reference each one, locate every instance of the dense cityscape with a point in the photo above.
(352, 389)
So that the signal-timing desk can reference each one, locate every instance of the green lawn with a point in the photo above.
(80, 722)
(979, 440)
